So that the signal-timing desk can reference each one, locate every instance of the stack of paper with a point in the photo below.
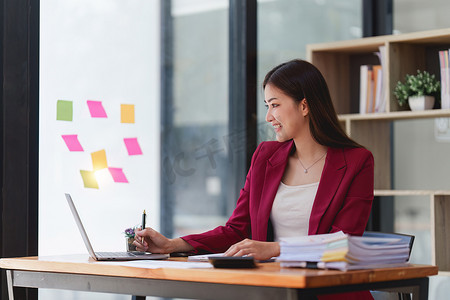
(343, 252)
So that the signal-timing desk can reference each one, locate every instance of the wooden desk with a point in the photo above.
(268, 281)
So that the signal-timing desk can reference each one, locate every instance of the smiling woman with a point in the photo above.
(303, 84)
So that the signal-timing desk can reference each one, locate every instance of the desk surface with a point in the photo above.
(267, 274)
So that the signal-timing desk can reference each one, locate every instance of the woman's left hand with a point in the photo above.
(259, 250)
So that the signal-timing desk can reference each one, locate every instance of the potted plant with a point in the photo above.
(129, 236)
(420, 91)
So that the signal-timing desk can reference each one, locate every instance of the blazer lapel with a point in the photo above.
(332, 175)
(275, 167)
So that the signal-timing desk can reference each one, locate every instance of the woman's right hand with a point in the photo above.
(155, 242)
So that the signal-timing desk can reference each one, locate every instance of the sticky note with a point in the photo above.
(64, 110)
(96, 109)
(89, 179)
(127, 113)
(118, 175)
(99, 160)
(72, 142)
(132, 146)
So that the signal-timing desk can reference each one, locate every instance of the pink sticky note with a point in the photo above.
(96, 109)
(117, 175)
(72, 142)
(132, 145)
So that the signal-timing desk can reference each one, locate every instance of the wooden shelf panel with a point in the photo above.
(375, 136)
(444, 273)
(430, 37)
(440, 237)
(398, 115)
(412, 193)
(369, 44)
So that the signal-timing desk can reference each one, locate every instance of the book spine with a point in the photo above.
(363, 88)
(381, 107)
(445, 79)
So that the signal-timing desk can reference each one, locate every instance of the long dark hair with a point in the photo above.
(299, 79)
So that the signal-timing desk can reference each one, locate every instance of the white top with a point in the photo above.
(291, 209)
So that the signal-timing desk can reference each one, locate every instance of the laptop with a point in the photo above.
(102, 256)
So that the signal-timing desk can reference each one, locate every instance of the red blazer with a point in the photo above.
(343, 200)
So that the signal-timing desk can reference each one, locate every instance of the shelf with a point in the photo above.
(340, 63)
(369, 44)
(412, 193)
(430, 37)
(398, 115)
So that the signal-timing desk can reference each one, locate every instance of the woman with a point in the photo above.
(314, 179)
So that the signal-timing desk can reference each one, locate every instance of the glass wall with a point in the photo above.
(195, 160)
(285, 27)
(99, 124)
(421, 148)
(416, 15)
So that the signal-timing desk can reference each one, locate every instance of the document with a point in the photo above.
(203, 257)
(341, 265)
(344, 252)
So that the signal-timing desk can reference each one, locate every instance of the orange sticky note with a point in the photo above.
(99, 160)
(89, 179)
(127, 113)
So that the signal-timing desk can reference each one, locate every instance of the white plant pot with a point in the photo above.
(421, 102)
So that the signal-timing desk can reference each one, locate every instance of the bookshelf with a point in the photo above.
(340, 63)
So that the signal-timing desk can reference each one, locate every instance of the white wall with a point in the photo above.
(103, 50)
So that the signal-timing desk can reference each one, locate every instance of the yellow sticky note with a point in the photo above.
(127, 113)
(99, 160)
(89, 179)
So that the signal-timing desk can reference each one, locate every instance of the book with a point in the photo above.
(445, 78)
(377, 87)
(344, 252)
(340, 265)
(364, 69)
(370, 88)
(380, 105)
(369, 92)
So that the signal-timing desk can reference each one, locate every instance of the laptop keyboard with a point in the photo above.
(114, 254)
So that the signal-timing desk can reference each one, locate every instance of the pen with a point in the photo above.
(143, 224)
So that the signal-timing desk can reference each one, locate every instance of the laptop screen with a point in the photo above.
(80, 226)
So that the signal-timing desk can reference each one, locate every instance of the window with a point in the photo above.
(285, 27)
(99, 111)
(195, 116)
